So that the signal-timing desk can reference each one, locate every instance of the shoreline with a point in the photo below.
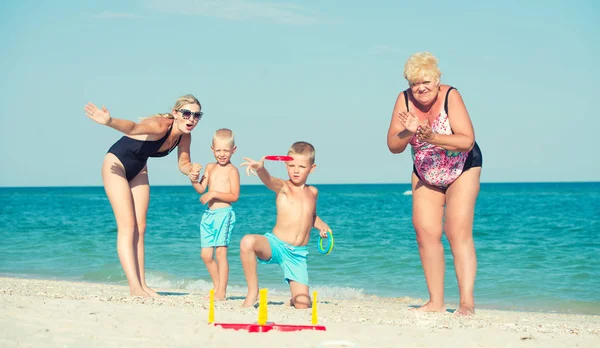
(544, 308)
(51, 312)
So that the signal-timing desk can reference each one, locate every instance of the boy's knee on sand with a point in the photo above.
(301, 301)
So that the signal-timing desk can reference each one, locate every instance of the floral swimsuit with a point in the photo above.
(435, 165)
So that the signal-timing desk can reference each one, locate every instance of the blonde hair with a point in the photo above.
(179, 103)
(420, 67)
(303, 148)
(224, 134)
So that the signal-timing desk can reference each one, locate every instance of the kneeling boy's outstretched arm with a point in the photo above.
(258, 168)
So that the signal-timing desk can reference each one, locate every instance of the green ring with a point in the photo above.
(320, 247)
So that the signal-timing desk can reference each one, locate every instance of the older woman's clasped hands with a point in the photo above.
(411, 123)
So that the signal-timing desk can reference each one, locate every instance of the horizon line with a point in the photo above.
(381, 183)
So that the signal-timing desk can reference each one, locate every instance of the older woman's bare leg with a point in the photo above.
(428, 210)
(119, 194)
(460, 210)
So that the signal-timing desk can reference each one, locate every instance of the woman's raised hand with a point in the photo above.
(101, 116)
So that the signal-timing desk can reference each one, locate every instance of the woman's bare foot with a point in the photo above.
(150, 292)
(465, 310)
(430, 307)
(138, 292)
(250, 300)
(220, 296)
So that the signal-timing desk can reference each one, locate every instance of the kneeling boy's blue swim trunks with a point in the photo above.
(292, 259)
(216, 227)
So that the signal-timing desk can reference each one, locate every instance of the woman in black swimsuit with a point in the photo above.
(125, 175)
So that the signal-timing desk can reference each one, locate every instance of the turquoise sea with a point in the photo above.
(538, 244)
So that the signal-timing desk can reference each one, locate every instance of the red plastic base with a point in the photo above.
(270, 326)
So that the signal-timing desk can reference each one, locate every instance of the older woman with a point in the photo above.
(433, 119)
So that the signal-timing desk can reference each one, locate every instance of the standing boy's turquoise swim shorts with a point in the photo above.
(216, 227)
(292, 259)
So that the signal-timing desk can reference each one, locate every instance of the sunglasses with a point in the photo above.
(186, 114)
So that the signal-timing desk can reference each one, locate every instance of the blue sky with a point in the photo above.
(325, 71)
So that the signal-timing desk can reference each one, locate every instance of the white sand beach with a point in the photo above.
(45, 313)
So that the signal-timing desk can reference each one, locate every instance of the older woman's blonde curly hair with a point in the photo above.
(420, 67)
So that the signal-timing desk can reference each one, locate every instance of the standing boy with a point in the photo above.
(223, 181)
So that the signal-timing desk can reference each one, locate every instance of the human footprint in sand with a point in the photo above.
(223, 182)
(125, 175)
(296, 215)
(433, 119)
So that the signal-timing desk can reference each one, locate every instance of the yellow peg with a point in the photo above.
(262, 307)
(315, 314)
(211, 307)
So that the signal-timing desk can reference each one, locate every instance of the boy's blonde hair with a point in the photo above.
(303, 148)
(422, 66)
(224, 134)
(179, 103)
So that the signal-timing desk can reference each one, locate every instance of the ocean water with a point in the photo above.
(537, 244)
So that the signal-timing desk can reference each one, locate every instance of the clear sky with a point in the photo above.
(275, 72)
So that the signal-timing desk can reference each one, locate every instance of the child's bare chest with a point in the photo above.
(218, 178)
(298, 202)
